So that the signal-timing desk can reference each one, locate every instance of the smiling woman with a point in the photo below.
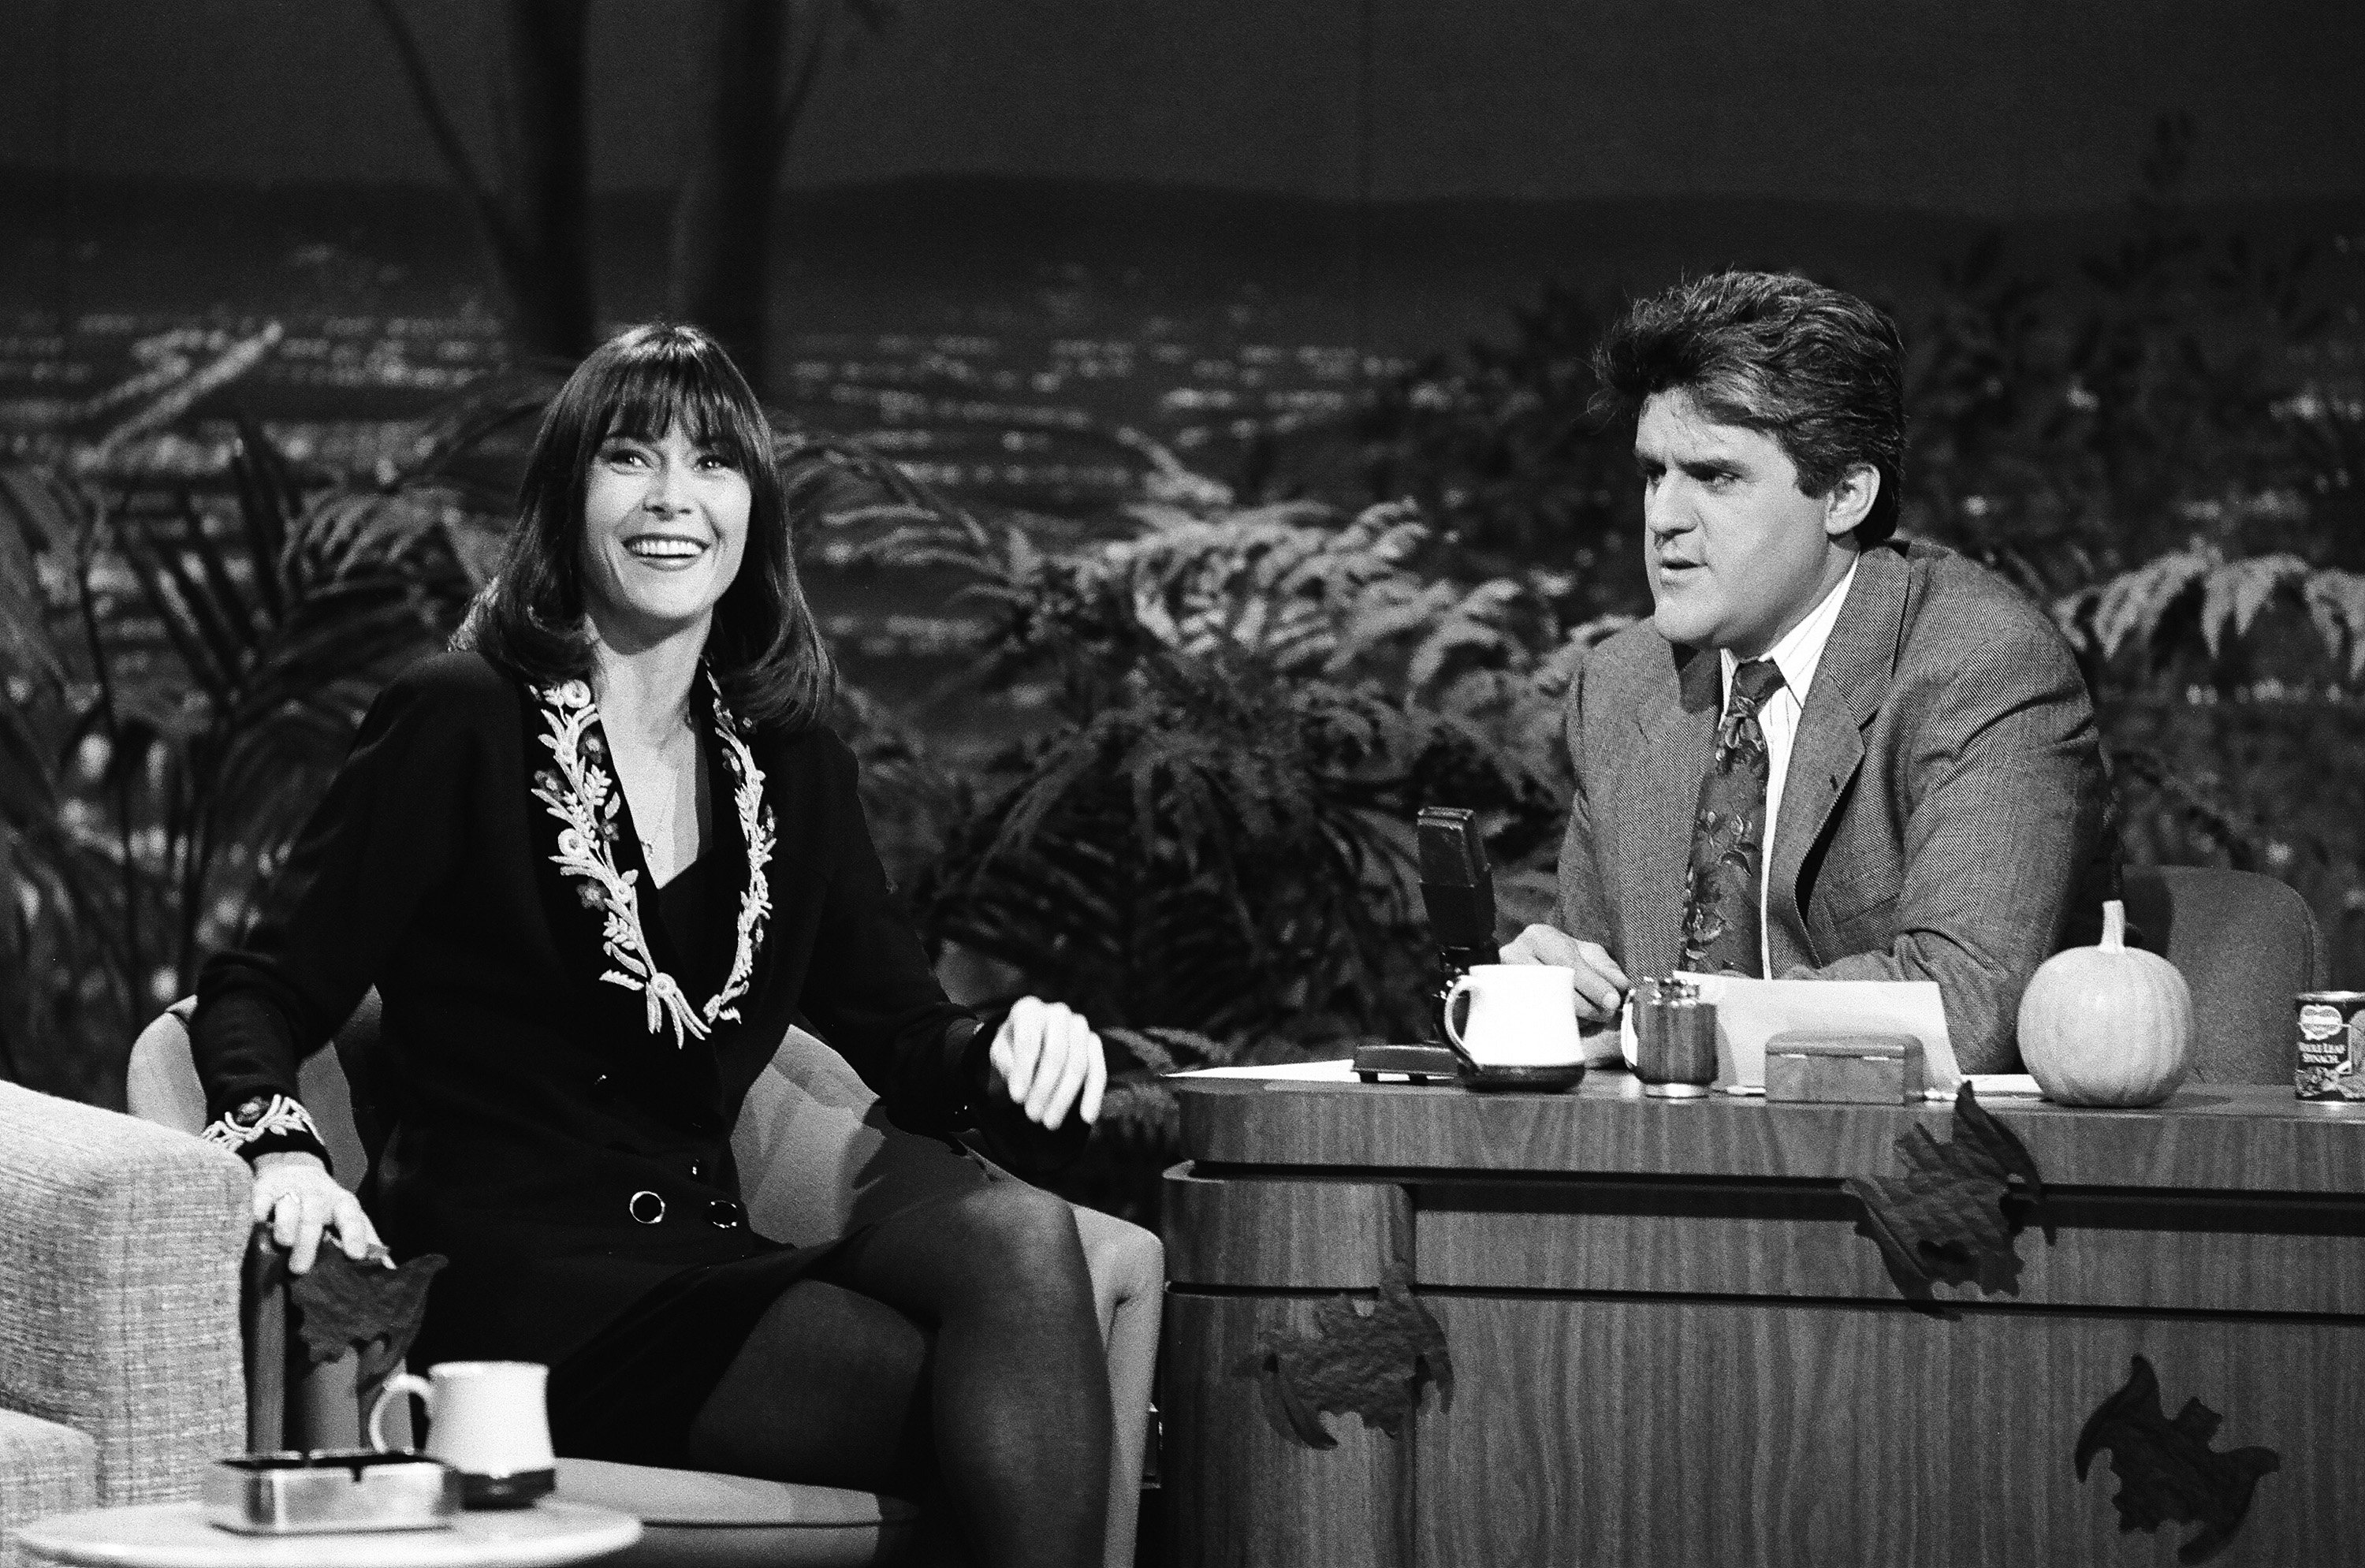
(664, 522)
(656, 428)
(595, 863)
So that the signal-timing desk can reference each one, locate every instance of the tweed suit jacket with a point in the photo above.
(1943, 816)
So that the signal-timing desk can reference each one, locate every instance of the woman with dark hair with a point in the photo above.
(595, 862)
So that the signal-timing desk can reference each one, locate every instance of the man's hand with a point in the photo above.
(296, 1196)
(1048, 1061)
(1601, 985)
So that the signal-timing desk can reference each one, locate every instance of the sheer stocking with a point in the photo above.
(964, 1325)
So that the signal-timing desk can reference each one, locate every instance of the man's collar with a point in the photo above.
(1800, 649)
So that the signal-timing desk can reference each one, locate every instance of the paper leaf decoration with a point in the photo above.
(1945, 1219)
(343, 1306)
(1364, 1358)
(2166, 1471)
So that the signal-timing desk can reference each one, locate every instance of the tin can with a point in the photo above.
(2331, 1045)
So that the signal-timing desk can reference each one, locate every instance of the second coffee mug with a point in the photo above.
(1520, 1016)
(491, 1421)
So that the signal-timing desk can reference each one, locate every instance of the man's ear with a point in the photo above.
(1849, 501)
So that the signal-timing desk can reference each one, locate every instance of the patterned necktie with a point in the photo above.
(1720, 921)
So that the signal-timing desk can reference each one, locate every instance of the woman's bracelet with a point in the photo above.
(279, 1124)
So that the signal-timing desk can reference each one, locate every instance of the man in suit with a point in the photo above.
(1827, 753)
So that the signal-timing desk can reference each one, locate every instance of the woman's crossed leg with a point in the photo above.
(961, 1330)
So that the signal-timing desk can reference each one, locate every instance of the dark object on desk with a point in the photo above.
(1441, 1064)
(1457, 888)
(1371, 1364)
(1421, 1064)
(1943, 1220)
(2167, 1470)
(1854, 1069)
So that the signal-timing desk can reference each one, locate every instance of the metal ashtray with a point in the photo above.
(330, 1489)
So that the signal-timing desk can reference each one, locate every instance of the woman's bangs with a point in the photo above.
(654, 393)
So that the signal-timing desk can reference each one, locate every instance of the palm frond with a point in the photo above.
(2233, 593)
(2336, 607)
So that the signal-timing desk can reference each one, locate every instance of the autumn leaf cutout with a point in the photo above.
(2166, 1468)
(1367, 1358)
(1943, 1220)
(343, 1306)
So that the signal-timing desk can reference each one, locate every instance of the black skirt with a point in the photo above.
(631, 1392)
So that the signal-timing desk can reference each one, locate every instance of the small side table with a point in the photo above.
(175, 1535)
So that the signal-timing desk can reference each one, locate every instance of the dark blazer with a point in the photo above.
(1942, 817)
(532, 1099)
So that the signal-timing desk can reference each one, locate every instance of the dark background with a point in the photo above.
(1387, 175)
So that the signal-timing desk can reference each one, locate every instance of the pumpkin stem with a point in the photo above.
(2114, 926)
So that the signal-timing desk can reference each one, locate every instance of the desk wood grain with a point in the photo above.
(2178, 1251)
(1302, 1235)
(1640, 1434)
(1238, 1494)
(2222, 1137)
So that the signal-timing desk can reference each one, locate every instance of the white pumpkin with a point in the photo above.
(2107, 1025)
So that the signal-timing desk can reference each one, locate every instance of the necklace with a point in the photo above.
(664, 803)
(580, 792)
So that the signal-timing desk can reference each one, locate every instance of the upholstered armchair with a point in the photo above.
(120, 1372)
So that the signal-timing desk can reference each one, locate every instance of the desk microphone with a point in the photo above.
(1457, 887)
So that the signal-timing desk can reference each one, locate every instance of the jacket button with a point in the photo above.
(724, 1215)
(645, 1207)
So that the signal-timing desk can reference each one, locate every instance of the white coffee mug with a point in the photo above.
(1520, 1016)
(489, 1420)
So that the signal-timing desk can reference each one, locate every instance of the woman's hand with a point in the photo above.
(1048, 1061)
(294, 1195)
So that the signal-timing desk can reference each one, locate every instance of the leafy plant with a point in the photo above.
(2196, 592)
(65, 893)
(147, 796)
(1250, 711)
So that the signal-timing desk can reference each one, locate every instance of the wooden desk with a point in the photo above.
(1671, 1343)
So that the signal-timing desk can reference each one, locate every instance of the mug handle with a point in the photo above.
(1453, 993)
(400, 1382)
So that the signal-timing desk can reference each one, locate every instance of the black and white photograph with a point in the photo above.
(1177, 784)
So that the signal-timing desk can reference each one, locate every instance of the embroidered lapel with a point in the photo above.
(577, 788)
(1849, 683)
(1657, 802)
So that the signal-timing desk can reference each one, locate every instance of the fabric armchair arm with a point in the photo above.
(120, 1245)
(44, 1468)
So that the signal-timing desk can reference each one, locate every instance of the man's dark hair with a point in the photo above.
(1821, 371)
(762, 646)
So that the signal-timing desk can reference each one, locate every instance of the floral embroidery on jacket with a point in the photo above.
(585, 799)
